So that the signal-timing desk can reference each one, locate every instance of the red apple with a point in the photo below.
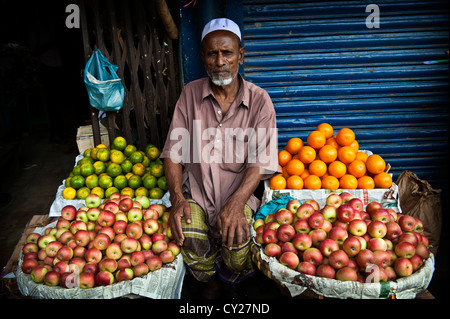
(284, 216)
(52, 248)
(345, 213)
(373, 206)
(272, 250)
(125, 204)
(159, 246)
(289, 259)
(346, 197)
(305, 210)
(104, 278)
(82, 237)
(407, 223)
(287, 246)
(28, 265)
(52, 278)
(317, 236)
(327, 246)
(129, 245)
(393, 230)
(408, 237)
(314, 204)
(405, 249)
(338, 234)
(334, 200)
(140, 270)
(377, 229)
(137, 257)
(38, 273)
(351, 246)
(403, 267)
(150, 226)
(154, 263)
(285, 232)
(356, 204)
(270, 218)
(30, 247)
(416, 261)
(422, 251)
(93, 255)
(346, 274)
(329, 213)
(375, 244)
(134, 230)
(270, 236)
(302, 226)
(338, 259)
(68, 212)
(382, 258)
(313, 256)
(357, 227)
(65, 253)
(381, 215)
(101, 241)
(293, 206)
(302, 241)
(316, 220)
(32, 238)
(325, 271)
(167, 256)
(365, 258)
(306, 268)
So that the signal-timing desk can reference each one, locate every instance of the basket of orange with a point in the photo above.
(329, 161)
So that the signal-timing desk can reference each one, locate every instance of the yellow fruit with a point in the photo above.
(111, 190)
(77, 182)
(135, 182)
(156, 193)
(114, 170)
(91, 181)
(127, 191)
(119, 143)
(103, 154)
(130, 149)
(69, 193)
(83, 192)
(87, 169)
(99, 191)
(138, 169)
(120, 182)
(117, 157)
(153, 152)
(141, 191)
(105, 181)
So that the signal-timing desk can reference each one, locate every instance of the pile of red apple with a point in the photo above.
(344, 241)
(101, 243)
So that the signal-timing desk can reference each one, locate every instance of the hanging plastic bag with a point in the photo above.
(104, 87)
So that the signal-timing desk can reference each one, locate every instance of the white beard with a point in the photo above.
(223, 81)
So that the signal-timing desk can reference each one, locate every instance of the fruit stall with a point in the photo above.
(331, 224)
(107, 232)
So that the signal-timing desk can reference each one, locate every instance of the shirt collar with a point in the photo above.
(243, 93)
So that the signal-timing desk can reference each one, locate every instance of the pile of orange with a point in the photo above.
(330, 162)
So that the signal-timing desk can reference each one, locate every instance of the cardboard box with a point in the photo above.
(85, 137)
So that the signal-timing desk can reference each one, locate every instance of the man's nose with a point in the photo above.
(220, 61)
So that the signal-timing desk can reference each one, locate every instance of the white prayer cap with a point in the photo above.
(221, 24)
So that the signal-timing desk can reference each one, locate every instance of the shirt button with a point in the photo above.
(220, 124)
(218, 141)
(219, 112)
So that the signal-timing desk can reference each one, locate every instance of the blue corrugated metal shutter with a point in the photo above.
(320, 63)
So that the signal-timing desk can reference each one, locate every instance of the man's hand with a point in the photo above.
(233, 225)
(180, 209)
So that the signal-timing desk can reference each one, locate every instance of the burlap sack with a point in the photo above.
(418, 199)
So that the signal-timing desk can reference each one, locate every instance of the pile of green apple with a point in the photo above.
(344, 240)
(101, 243)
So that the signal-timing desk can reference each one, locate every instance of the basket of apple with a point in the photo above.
(344, 249)
(103, 250)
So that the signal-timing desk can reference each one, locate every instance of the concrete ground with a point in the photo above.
(37, 167)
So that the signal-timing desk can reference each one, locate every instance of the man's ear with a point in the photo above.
(241, 55)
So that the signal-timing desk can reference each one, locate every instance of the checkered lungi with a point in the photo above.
(205, 255)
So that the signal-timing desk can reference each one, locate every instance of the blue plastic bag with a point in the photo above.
(104, 87)
(272, 206)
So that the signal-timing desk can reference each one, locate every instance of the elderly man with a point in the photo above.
(221, 144)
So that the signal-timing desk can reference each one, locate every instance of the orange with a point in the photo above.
(295, 167)
(307, 154)
(355, 145)
(328, 154)
(337, 169)
(277, 182)
(362, 156)
(294, 145)
(285, 173)
(383, 180)
(348, 182)
(345, 137)
(318, 168)
(330, 182)
(316, 139)
(326, 129)
(332, 141)
(346, 154)
(284, 157)
(366, 182)
(312, 182)
(375, 164)
(305, 174)
(294, 182)
(357, 168)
